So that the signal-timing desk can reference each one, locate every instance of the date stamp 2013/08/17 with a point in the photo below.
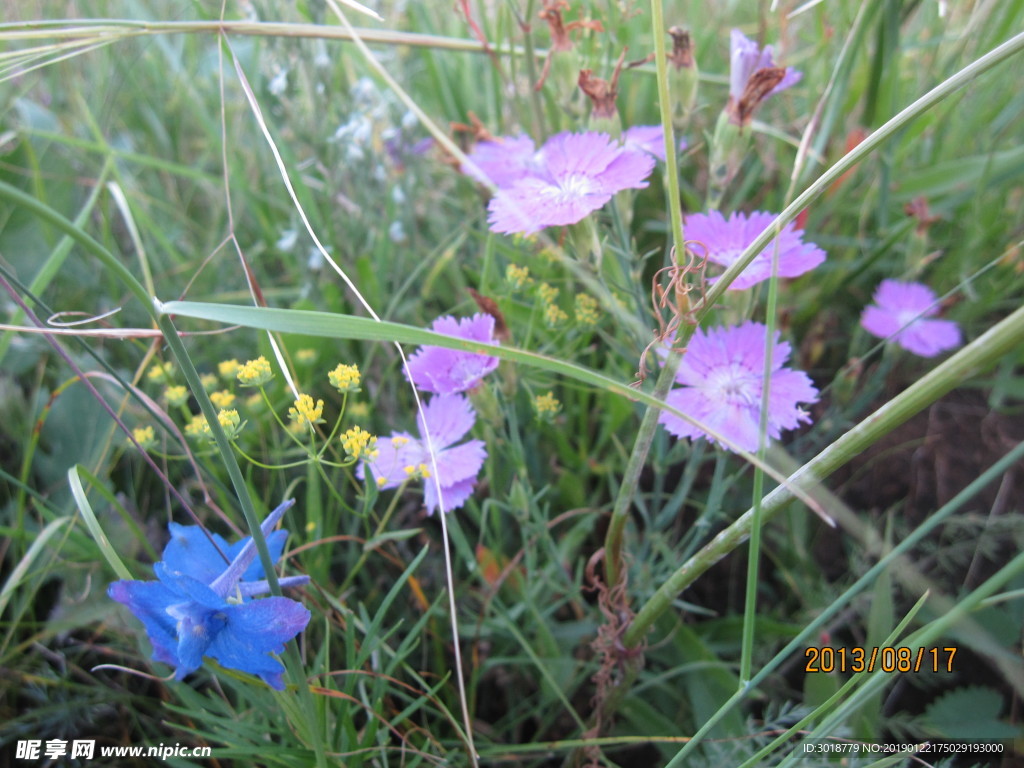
(900, 659)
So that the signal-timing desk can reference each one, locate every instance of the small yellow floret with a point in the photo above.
(144, 436)
(222, 399)
(381, 482)
(345, 378)
(518, 277)
(424, 472)
(197, 427)
(305, 412)
(358, 410)
(586, 309)
(399, 441)
(548, 293)
(176, 396)
(358, 443)
(546, 405)
(305, 356)
(160, 372)
(228, 369)
(230, 422)
(554, 315)
(255, 373)
(228, 418)
(209, 381)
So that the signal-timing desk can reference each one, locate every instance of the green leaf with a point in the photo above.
(971, 712)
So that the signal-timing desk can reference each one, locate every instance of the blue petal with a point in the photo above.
(241, 562)
(254, 630)
(252, 588)
(196, 631)
(149, 601)
(190, 551)
(275, 543)
(188, 589)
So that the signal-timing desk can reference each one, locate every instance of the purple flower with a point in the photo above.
(198, 608)
(448, 418)
(577, 174)
(745, 58)
(446, 371)
(503, 161)
(723, 240)
(899, 313)
(721, 374)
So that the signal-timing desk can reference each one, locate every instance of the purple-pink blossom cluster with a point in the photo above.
(569, 177)
(447, 417)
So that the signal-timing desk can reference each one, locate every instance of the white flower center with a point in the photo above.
(576, 185)
(907, 318)
(734, 385)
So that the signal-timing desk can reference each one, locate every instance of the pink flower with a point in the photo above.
(721, 377)
(723, 240)
(448, 419)
(899, 313)
(446, 371)
(503, 161)
(577, 174)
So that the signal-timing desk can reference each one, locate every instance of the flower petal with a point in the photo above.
(254, 630)
(149, 601)
(448, 418)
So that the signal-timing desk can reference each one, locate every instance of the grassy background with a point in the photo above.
(145, 140)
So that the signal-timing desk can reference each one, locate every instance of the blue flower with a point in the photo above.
(199, 609)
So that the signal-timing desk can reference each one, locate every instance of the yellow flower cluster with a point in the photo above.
(418, 471)
(160, 372)
(305, 412)
(228, 369)
(358, 443)
(229, 421)
(345, 378)
(209, 382)
(548, 293)
(586, 309)
(305, 356)
(222, 399)
(546, 405)
(144, 436)
(554, 315)
(518, 277)
(255, 373)
(197, 427)
(176, 396)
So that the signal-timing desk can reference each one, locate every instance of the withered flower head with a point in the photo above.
(682, 48)
(602, 93)
(753, 77)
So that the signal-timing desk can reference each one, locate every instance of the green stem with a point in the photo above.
(126, 28)
(645, 435)
(754, 553)
(293, 662)
(354, 571)
(983, 352)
